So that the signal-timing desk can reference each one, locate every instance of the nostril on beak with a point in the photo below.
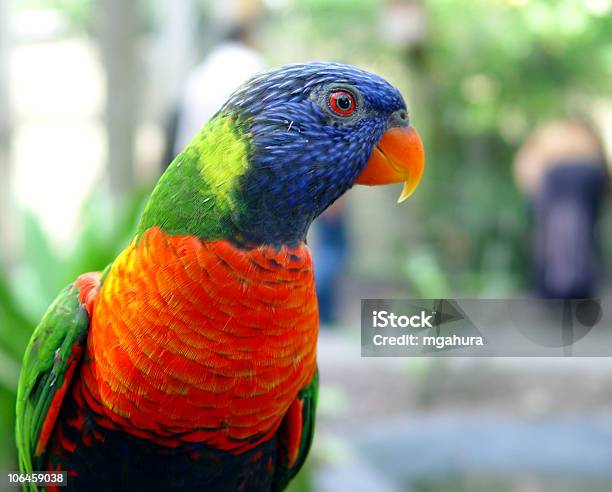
(399, 118)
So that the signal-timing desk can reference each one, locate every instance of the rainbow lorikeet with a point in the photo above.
(190, 362)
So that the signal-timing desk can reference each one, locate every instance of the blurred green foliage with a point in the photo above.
(486, 75)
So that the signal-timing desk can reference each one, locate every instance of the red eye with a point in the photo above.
(342, 102)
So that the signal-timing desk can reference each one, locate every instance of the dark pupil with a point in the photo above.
(344, 102)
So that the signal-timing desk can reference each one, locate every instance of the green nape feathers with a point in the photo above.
(197, 194)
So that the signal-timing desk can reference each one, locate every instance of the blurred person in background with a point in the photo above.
(330, 250)
(562, 168)
(231, 63)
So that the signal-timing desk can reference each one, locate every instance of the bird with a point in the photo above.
(189, 363)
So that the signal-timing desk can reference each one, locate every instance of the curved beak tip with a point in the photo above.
(407, 191)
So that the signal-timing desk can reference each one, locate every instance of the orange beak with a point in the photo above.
(399, 156)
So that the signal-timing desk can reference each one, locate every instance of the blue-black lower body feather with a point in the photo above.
(100, 459)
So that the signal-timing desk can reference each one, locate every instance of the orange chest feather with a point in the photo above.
(201, 339)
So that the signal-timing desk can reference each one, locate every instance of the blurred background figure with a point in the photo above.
(210, 83)
(330, 250)
(561, 166)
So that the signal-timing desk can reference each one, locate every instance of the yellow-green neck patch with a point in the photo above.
(223, 158)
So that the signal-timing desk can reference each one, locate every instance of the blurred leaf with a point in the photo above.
(302, 481)
(8, 452)
(47, 266)
(426, 276)
(15, 328)
(9, 372)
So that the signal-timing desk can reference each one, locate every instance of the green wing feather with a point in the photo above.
(308, 397)
(49, 364)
